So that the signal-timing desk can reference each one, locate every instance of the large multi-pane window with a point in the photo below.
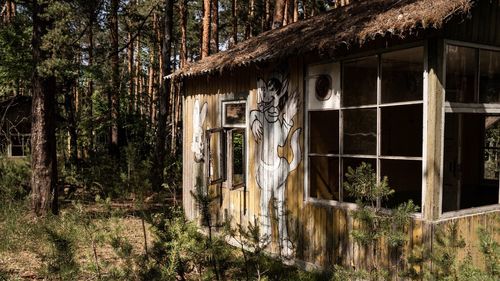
(471, 161)
(379, 122)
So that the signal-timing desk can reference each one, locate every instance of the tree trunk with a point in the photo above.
(137, 76)
(205, 39)
(69, 90)
(114, 95)
(161, 132)
(234, 15)
(279, 13)
(250, 19)
(314, 9)
(286, 15)
(90, 90)
(265, 15)
(183, 18)
(295, 10)
(151, 85)
(43, 138)
(214, 37)
(130, 68)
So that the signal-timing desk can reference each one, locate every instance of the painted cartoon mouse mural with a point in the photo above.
(271, 124)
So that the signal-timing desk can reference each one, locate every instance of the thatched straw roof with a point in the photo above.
(357, 23)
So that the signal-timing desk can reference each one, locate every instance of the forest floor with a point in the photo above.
(85, 242)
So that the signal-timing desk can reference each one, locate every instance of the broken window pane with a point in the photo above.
(360, 82)
(360, 131)
(402, 75)
(324, 177)
(470, 167)
(489, 77)
(461, 69)
(402, 128)
(324, 132)
(405, 178)
(235, 113)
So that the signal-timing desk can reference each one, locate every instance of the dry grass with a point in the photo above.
(30, 252)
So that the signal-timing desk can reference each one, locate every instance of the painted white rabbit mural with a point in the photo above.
(197, 145)
(271, 124)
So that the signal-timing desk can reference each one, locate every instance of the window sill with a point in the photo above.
(346, 206)
(468, 212)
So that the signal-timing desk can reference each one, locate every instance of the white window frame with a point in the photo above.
(453, 107)
(348, 205)
(229, 128)
(23, 145)
(223, 105)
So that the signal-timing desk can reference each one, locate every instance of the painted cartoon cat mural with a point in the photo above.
(271, 125)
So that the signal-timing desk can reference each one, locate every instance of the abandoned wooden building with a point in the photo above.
(411, 87)
(15, 126)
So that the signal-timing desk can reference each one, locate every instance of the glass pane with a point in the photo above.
(489, 82)
(360, 82)
(360, 131)
(354, 163)
(470, 176)
(402, 75)
(238, 151)
(324, 177)
(405, 178)
(491, 147)
(235, 113)
(402, 128)
(460, 73)
(17, 150)
(324, 132)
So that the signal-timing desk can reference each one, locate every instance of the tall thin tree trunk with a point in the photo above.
(265, 16)
(151, 85)
(43, 137)
(234, 15)
(183, 9)
(130, 68)
(205, 39)
(214, 37)
(295, 10)
(161, 132)
(114, 95)
(250, 19)
(90, 90)
(279, 13)
(314, 9)
(286, 15)
(137, 76)
(70, 107)
(159, 30)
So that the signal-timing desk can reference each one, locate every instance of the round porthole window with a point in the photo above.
(323, 85)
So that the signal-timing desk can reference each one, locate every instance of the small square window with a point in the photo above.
(234, 113)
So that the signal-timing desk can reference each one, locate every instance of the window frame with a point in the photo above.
(229, 129)
(473, 108)
(378, 106)
(23, 145)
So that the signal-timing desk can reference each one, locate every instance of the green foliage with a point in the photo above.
(374, 223)
(14, 179)
(361, 183)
